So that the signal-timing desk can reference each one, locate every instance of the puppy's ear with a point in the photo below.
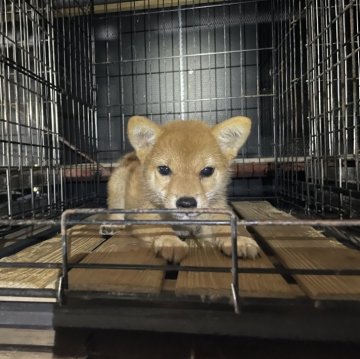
(142, 134)
(232, 134)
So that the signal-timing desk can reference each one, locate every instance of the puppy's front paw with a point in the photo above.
(246, 247)
(171, 248)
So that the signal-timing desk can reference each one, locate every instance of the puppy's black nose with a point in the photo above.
(186, 202)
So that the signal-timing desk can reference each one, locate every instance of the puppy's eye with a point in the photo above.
(164, 170)
(207, 171)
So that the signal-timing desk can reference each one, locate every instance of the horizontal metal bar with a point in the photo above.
(155, 221)
(190, 100)
(297, 222)
(173, 57)
(179, 268)
(303, 222)
(146, 211)
(29, 222)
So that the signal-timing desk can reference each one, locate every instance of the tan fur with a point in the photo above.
(186, 147)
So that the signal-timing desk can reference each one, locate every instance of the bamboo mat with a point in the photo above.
(82, 240)
(303, 247)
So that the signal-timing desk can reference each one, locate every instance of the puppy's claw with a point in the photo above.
(171, 248)
(246, 247)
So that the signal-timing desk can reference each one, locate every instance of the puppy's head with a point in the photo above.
(186, 163)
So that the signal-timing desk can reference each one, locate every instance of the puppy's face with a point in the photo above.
(186, 163)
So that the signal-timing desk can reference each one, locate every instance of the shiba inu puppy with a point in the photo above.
(184, 165)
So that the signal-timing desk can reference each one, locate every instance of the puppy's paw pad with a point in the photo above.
(171, 248)
(246, 247)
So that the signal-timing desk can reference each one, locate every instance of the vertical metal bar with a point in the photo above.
(174, 100)
(5, 102)
(122, 89)
(355, 60)
(318, 101)
(87, 167)
(310, 78)
(148, 63)
(7, 117)
(181, 64)
(8, 190)
(64, 242)
(257, 60)
(225, 39)
(80, 105)
(193, 69)
(9, 96)
(161, 64)
(323, 162)
(291, 116)
(345, 92)
(54, 106)
(234, 265)
(48, 177)
(92, 97)
(331, 95)
(341, 100)
(2, 84)
(15, 101)
(208, 38)
(32, 191)
(275, 82)
(133, 76)
(303, 80)
(282, 107)
(216, 82)
(197, 71)
(73, 44)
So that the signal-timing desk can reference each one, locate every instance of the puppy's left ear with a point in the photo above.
(232, 134)
(142, 134)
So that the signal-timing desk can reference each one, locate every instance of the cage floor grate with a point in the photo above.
(283, 248)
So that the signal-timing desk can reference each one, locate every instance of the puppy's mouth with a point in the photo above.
(185, 215)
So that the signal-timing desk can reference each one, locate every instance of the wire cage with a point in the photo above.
(72, 73)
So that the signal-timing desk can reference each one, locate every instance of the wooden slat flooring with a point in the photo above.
(263, 210)
(21, 234)
(203, 254)
(120, 249)
(300, 247)
(82, 239)
(303, 247)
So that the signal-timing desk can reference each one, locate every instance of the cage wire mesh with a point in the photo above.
(73, 72)
(47, 107)
(317, 61)
(201, 61)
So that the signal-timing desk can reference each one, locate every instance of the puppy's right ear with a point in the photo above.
(142, 134)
